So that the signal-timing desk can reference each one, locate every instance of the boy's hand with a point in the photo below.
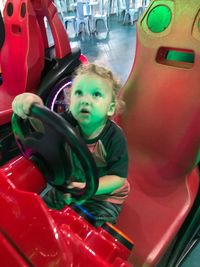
(79, 185)
(67, 197)
(22, 103)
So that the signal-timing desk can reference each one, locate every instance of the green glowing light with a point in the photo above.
(180, 56)
(159, 18)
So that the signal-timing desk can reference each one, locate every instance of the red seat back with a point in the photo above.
(161, 122)
(47, 8)
(22, 54)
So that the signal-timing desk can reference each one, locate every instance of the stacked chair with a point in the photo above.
(102, 14)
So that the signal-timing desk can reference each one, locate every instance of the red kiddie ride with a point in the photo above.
(161, 122)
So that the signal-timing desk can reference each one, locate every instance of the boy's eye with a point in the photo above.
(78, 92)
(97, 94)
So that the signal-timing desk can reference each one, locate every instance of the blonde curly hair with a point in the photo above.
(106, 74)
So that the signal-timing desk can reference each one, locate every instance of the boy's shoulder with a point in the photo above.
(113, 128)
(114, 141)
(113, 133)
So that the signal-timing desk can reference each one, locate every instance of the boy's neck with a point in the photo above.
(91, 132)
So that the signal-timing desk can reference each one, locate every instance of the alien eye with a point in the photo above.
(23, 10)
(9, 9)
(159, 18)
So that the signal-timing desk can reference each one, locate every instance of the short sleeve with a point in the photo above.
(117, 154)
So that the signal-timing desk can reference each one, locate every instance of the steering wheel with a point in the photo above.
(49, 148)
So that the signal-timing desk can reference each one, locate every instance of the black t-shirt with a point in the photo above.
(110, 153)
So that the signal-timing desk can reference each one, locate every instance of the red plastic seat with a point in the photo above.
(161, 122)
(47, 8)
(22, 54)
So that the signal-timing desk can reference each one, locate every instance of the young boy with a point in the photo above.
(93, 100)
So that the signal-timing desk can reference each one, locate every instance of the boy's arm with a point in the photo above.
(107, 184)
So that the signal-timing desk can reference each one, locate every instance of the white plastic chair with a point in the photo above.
(87, 9)
(140, 11)
(132, 13)
(81, 18)
(102, 14)
(70, 19)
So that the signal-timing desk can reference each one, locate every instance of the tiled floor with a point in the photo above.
(115, 49)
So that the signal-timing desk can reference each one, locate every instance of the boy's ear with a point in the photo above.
(68, 100)
(111, 110)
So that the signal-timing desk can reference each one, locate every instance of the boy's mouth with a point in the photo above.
(84, 111)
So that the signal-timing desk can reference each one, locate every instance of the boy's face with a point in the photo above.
(91, 100)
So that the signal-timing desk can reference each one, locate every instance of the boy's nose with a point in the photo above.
(85, 100)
